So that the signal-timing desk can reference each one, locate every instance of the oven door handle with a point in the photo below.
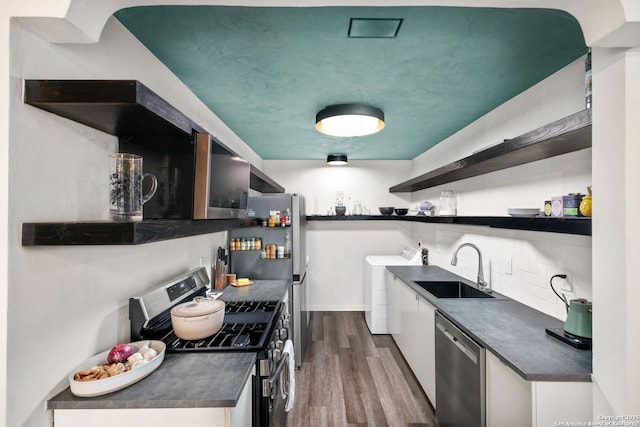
(273, 378)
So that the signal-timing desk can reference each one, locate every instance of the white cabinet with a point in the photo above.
(193, 417)
(508, 395)
(512, 400)
(238, 416)
(412, 325)
(425, 369)
(401, 301)
(554, 402)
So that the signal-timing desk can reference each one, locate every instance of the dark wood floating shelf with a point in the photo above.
(117, 107)
(570, 134)
(123, 108)
(578, 225)
(259, 181)
(122, 233)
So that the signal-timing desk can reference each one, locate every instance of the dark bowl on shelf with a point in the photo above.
(401, 211)
(386, 210)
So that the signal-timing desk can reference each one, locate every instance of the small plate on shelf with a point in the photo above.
(524, 212)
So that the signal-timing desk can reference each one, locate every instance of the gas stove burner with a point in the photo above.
(241, 341)
(232, 336)
(246, 327)
(250, 306)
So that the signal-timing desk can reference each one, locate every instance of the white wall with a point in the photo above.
(337, 249)
(534, 258)
(616, 233)
(367, 181)
(68, 303)
(558, 96)
(615, 375)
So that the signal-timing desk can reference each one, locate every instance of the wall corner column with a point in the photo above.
(616, 231)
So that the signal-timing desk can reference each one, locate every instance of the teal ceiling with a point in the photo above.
(266, 72)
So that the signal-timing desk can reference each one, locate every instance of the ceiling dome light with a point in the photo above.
(350, 120)
(337, 159)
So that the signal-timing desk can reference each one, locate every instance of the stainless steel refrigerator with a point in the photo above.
(251, 263)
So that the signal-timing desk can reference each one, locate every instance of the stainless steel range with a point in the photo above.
(256, 326)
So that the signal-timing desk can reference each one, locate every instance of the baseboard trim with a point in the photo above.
(335, 307)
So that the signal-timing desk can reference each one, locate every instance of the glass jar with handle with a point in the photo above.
(125, 180)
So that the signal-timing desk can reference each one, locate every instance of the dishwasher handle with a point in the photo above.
(466, 350)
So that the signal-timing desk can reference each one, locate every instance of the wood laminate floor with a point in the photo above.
(349, 377)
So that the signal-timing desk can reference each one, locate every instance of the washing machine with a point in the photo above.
(375, 289)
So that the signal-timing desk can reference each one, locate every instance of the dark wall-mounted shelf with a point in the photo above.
(117, 107)
(570, 134)
(578, 225)
(259, 181)
(123, 108)
(122, 233)
(145, 124)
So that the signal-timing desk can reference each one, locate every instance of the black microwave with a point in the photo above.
(221, 184)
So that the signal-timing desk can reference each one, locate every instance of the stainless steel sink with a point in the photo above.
(452, 289)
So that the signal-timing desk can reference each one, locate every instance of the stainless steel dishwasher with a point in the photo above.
(460, 377)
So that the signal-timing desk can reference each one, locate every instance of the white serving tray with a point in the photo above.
(118, 382)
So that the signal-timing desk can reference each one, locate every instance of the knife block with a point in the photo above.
(219, 275)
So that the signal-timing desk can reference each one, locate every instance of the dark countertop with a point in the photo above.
(512, 331)
(182, 381)
(261, 290)
(187, 380)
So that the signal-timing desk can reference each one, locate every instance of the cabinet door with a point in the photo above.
(394, 307)
(144, 417)
(554, 401)
(508, 395)
(401, 302)
(412, 325)
(242, 414)
(425, 369)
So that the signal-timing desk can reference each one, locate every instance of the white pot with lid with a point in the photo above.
(197, 319)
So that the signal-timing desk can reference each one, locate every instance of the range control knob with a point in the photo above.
(277, 355)
(280, 345)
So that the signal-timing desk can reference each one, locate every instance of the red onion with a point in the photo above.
(119, 353)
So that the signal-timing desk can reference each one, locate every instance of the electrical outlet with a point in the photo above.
(566, 285)
(203, 260)
(508, 266)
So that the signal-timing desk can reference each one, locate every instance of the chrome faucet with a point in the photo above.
(480, 283)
